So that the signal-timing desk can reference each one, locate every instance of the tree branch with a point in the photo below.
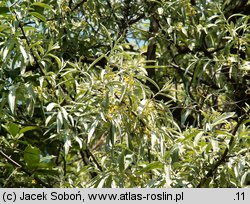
(23, 169)
(225, 153)
(86, 154)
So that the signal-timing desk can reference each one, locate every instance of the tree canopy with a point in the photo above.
(120, 93)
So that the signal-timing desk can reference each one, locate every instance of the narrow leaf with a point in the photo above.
(51, 106)
(12, 98)
(28, 128)
(25, 55)
(151, 166)
(222, 118)
(59, 63)
(38, 15)
(43, 5)
(92, 130)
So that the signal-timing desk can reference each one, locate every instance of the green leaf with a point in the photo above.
(53, 46)
(184, 31)
(245, 180)
(124, 88)
(3, 27)
(4, 10)
(8, 49)
(24, 53)
(151, 166)
(97, 60)
(222, 118)
(152, 82)
(38, 15)
(92, 130)
(121, 160)
(57, 59)
(79, 141)
(59, 121)
(12, 98)
(67, 145)
(29, 28)
(12, 128)
(64, 113)
(28, 128)
(185, 115)
(175, 155)
(142, 106)
(51, 106)
(4, 165)
(43, 5)
(108, 34)
(197, 138)
(215, 145)
(47, 158)
(32, 156)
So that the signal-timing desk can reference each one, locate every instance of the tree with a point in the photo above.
(124, 93)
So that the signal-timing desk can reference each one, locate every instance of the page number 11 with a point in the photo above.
(240, 196)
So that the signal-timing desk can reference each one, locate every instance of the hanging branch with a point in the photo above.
(35, 59)
(28, 43)
(86, 154)
(224, 156)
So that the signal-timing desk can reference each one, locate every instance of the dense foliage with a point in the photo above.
(120, 93)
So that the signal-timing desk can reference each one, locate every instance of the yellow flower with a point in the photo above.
(129, 80)
(109, 117)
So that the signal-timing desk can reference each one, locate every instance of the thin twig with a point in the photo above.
(28, 43)
(85, 158)
(23, 169)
